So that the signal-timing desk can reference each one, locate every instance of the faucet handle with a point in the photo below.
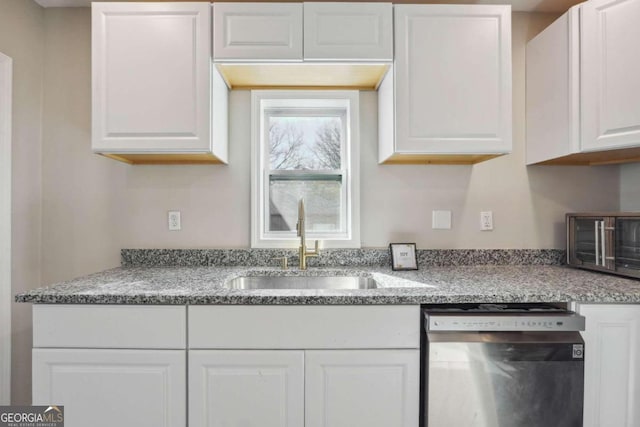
(284, 263)
(316, 250)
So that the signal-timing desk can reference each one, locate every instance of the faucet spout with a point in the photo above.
(300, 228)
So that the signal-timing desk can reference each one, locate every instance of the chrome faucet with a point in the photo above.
(303, 252)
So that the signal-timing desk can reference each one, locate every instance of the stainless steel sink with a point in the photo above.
(301, 282)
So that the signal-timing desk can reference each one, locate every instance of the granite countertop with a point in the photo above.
(430, 284)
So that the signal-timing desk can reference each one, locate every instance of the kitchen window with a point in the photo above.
(305, 145)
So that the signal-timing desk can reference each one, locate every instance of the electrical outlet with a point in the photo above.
(174, 221)
(486, 221)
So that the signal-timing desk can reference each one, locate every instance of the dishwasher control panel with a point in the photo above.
(504, 322)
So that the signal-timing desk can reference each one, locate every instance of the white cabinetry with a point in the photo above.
(610, 69)
(553, 90)
(256, 388)
(582, 90)
(373, 388)
(448, 99)
(361, 366)
(250, 366)
(257, 32)
(612, 377)
(288, 45)
(348, 31)
(274, 31)
(152, 84)
(140, 381)
(100, 388)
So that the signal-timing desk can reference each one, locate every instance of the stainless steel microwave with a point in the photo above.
(608, 242)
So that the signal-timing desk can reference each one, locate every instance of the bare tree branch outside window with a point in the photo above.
(285, 142)
(327, 145)
(305, 144)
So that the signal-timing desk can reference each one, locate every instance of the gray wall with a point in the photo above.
(630, 187)
(88, 207)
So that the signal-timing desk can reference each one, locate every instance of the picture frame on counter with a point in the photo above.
(403, 256)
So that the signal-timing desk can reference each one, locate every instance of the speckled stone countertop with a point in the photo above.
(430, 284)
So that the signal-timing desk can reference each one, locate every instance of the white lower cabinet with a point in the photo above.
(313, 388)
(103, 388)
(248, 388)
(244, 366)
(304, 366)
(612, 377)
(366, 388)
(123, 365)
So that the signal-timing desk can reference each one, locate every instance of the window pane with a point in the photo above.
(322, 202)
(305, 143)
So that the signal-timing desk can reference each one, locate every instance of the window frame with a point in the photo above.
(289, 101)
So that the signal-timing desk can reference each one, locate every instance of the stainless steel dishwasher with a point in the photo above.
(502, 365)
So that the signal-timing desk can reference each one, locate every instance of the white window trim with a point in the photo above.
(6, 71)
(352, 183)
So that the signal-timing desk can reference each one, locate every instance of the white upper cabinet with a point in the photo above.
(583, 95)
(610, 35)
(451, 85)
(152, 82)
(257, 31)
(348, 31)
(553, 90)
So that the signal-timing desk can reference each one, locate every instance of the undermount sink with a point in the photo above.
(301, 282)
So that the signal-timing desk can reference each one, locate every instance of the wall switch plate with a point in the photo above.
(486, 221)
(174, 221)
(441, 220)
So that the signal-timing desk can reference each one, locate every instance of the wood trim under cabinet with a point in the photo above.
(438, 159)
(299, 75)
(611, 157)
(165, 159)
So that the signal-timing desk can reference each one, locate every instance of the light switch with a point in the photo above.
(441, 220)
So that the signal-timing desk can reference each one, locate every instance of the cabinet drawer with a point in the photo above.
(109, 326)
(294, 327)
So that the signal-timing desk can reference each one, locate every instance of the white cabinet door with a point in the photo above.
(103, 388)
(452, 79)
(151, 77)
(357, 388)
(257, 31)
(348, 31)
(553, 90)
(612, 377)
(610, 68)
(248, 388)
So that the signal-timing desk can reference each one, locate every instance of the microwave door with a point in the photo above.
(591, 242)
(585, 242)
(627, 245)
